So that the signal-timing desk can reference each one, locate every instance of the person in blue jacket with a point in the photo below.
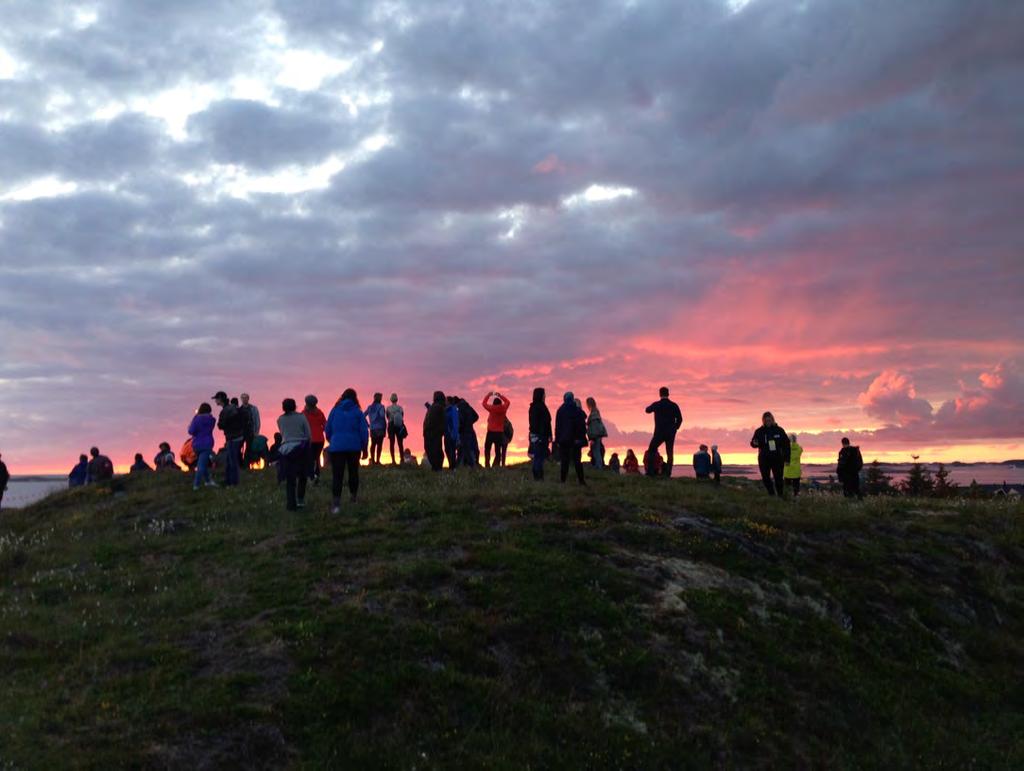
(451, 432)
(377, 414)
(347, 438)
(79, 476)
(702, 463)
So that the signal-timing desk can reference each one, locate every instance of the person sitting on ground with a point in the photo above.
(378, 418)
(571, 436)
(295, 434)
(497, 408)
(100, 467)
(792, 471)
(164, 459)
(79, 475)
(408, 459)
(348, 437)
(631, 465)
(653, 463)
(614, 464)
(716, 464)
(702, 463)
(139, 466)
(201, 430)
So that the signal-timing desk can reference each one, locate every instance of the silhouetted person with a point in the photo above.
(317, 420)
(848, 469)
(451, 431)
(79, 475)
(614, 465)
(274, 456)
(101, 469)
(497, 408)
(716, 464)
(792, 471)
(433, 431)
(571, 436)
(596, 433)
(702, 463)
(630, 465)
(667, 420)
(396, 428)
(201, 431)
(231, 422)
(772, 446)
(540, 432)
(251, 428)
(377, 416)
(164, 459)
(294, 451)
(5, 477)
(469, 445)
(139, 466)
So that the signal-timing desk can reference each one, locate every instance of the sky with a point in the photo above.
(805, 206)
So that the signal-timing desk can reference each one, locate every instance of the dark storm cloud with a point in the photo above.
(807, 192)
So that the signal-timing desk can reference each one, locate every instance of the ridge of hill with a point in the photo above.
(480, 619)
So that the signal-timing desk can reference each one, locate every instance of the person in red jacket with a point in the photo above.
(497, 408)
(317, 420)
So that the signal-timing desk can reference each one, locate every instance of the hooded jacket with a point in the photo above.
(496, 413)
(79, 475)
(201, 431)
(467, 417)
(850, 461)
(346, 429)
(792, 469)
(702, 462)
(434, 421)
(540, 421)
(570, 423)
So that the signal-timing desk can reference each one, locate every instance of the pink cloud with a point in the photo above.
(550, 165)
(891, 397)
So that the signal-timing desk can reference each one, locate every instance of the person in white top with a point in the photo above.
(396, 428)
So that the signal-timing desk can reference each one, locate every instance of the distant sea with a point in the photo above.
(22, 491)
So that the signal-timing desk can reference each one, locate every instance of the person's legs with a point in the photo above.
(435, 452)
(301, 474)
(202, 468)
(292, 470)
(449, 451)
(670, 443)
(401, 448)
(597, 449)
(652, 448)
(765, 467)
(718, 477)
(352, 461)
(231, 462)
(500, 449)
(488, 443)
(577, 459)
(566, 454)
(778, 469)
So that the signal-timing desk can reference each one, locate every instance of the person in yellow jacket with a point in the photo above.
(791, 471)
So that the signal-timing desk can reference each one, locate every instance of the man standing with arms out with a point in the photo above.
(5, 477)
(317, 421)
(251, 427)
(848, 469)
(667, 420)
(231, 422)
(497, 408)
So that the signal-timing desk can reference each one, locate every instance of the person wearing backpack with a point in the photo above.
(497, 408)
(377, 416)
(848, 469)
(596, 433)
(100, 467)
(396, 428)
(540, 432)
(791, 472)
(164, 459)
(347, 437)
(469, 446)
(295, 434)
(201, 431)
(571, 436)
(232, 423)
(317, 420)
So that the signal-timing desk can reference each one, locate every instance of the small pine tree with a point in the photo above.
(974, 490)
(876, 481)
(943, 487)
(919, 481)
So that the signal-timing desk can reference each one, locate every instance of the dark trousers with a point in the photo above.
(246, 451)
(795, 484)
(851, 485)
(451, 449)
(495, 439)
(296, 465)
(232, 461)
(539, 450)
(771, 467)
(669, 440)
(339, 462)
(433, 448)
(316, 449)
(572, 453)
(469, 449)
(718, 477)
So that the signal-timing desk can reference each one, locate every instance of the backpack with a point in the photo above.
(509, 431)
(188, 455)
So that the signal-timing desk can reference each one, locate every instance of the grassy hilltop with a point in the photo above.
(478, 619)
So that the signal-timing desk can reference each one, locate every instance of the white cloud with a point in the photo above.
(598, 194)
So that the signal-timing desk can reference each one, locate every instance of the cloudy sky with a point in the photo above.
(808, 206)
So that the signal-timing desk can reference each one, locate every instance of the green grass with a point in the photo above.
(479, 619)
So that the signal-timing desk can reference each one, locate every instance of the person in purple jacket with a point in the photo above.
(201, 431)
